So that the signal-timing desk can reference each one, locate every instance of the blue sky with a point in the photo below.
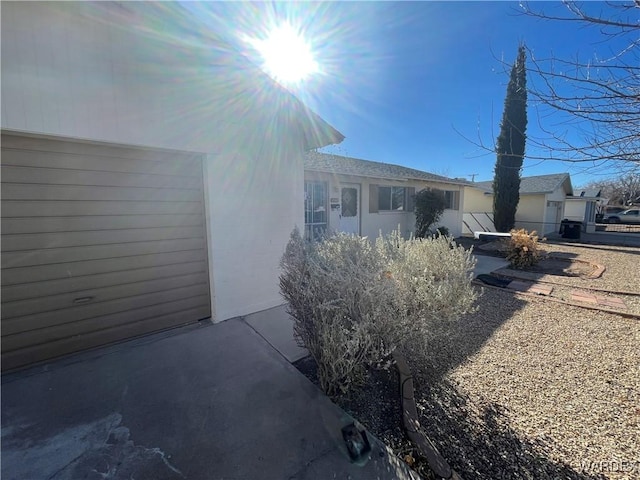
(417, 83)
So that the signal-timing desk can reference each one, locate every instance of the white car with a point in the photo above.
(628, 216)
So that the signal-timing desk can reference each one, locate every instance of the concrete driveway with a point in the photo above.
(205, 402)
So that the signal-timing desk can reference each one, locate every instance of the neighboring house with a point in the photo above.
(366, 198)
(582, 207)
(150, 178)
(541, 205)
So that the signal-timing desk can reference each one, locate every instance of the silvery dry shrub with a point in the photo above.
(354, 302)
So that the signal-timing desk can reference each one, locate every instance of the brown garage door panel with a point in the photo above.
(99, 243)
(23, 191)
(10, 141)
(12, 326)
(35, 290)
(55, 176)
(16, 276)
(125, 290)
(78, 254)
(174, 165)
(26, 356)
(104, 322)
(103, 222)
(13, 243)
(35, 208)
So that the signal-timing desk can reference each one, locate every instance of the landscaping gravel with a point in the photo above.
(527, 388)
(531, 389)
(622, 266)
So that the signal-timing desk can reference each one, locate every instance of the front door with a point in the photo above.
(350, 208)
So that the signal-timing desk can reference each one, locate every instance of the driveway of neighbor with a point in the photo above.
(203, 402)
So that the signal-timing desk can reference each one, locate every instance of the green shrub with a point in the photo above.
(354, 302)
(442, 231)
(523, 249)
(430, 204)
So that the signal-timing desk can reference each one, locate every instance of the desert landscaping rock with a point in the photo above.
(542, 391)
(532, 386)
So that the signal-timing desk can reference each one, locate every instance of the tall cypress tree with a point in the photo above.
(510, 147)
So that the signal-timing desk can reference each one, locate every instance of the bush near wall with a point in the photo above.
(354, 302)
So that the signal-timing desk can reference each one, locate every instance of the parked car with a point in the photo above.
(631, 215)
(609, 210)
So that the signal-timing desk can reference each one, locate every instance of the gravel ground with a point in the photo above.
(527, 388)
(622, 266)
(376, 405)
(524, 389)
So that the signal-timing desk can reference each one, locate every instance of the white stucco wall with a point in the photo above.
(83, 71)
(582, 209)
(574, 209)
(254, 205)
(555, 212)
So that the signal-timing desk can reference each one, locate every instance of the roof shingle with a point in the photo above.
(532, 185)
(324, 162)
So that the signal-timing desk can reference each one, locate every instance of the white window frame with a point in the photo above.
(313, 229)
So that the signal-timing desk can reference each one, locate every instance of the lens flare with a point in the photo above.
(286, 55)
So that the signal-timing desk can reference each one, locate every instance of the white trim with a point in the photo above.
(209, 229)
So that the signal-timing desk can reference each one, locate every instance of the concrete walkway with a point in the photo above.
(276, 327)
(487, 264)
(205, 402)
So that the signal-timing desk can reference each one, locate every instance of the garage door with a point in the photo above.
(99, 244)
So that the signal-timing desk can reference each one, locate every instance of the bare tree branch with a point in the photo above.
(598, 99)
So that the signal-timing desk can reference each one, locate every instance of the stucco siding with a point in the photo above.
(558, 195)
(79, 70)
(575, 209)
(530, 213)
(71, 70)
(476, 201)
(254, 205)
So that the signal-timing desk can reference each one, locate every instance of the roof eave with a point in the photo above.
(381, 177)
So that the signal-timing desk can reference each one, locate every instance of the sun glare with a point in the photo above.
(286, 55)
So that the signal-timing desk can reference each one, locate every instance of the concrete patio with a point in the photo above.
(203, 402)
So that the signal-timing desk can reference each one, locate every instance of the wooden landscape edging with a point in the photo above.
(412, 425)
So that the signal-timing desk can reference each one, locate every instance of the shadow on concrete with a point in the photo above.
(209, 402)
(482, 445)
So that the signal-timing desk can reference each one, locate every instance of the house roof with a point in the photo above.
(324, 162)
(587, 192)
(534, 185)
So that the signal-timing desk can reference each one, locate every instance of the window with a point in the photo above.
(392, 198)
(452, 199)
(315, 209)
